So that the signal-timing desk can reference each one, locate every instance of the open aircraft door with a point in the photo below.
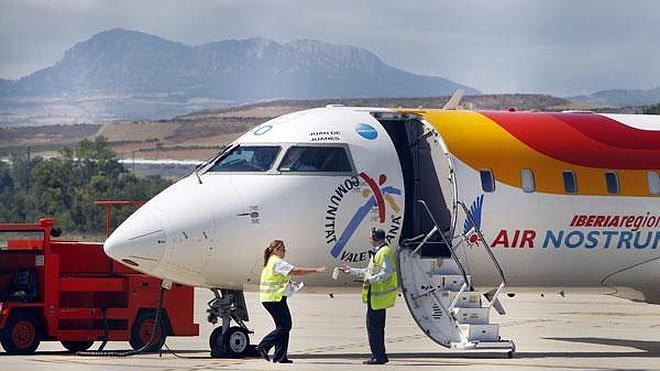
(434, 283)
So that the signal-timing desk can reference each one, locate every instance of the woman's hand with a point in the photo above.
(300, 271)
(345, 268)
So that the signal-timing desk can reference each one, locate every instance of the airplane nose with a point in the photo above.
(139, 242)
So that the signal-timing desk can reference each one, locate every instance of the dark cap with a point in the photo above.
(377, 234)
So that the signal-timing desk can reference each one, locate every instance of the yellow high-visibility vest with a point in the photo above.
(383, 293)
(272, 285)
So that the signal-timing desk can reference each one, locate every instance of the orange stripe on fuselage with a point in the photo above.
(481, 143)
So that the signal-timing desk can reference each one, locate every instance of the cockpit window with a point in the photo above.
(316, 159)
(247, 159)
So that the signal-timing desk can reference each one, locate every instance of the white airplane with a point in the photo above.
(524, 199)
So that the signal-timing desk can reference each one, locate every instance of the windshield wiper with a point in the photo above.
(199, 166)
(210, 160)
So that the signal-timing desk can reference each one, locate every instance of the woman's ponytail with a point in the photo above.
(270, 249)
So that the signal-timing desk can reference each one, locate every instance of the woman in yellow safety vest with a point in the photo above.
(273, 291)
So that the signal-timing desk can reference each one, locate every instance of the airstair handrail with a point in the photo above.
(483, 241)
(444, 239)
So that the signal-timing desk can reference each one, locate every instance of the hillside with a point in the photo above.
(621, 97)
(198, 135)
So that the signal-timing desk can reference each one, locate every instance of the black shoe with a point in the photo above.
(374, 361)
(262, 352)
(286, 360)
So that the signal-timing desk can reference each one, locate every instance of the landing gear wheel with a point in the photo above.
(21, 335)
(141, 333)
(235, 343)
(77, 346)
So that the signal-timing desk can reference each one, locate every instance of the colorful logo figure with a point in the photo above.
(376, 196)
(366, 131)
(469, 229)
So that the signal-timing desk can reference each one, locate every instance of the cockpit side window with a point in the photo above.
(247, 159)
(316, 159)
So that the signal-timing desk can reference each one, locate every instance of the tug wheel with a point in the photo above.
(77, 346)
(21, 335)
(141, 333)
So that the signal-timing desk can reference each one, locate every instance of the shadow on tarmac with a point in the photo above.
(647, 346)
(647, 349)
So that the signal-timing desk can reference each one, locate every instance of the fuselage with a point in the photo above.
(562, 199)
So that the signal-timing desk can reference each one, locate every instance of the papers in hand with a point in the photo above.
(293, 287)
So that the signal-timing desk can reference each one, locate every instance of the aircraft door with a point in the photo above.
(428, 176)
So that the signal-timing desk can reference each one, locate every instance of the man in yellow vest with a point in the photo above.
(379, 291)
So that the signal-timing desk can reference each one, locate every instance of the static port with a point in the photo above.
(130, 262)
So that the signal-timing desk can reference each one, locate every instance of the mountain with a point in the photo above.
(5, 84)
(132, 74)
(621, 97)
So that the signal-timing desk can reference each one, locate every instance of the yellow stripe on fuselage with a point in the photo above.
(483, 144)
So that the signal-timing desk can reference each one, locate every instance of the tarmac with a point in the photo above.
(577, 331)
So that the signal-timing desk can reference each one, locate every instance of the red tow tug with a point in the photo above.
(71, 292)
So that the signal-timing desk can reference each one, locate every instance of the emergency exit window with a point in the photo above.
(487, 180)
(570, 183)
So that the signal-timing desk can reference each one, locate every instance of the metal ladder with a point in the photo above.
(440, 295)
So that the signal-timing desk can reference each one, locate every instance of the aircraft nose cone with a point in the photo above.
(139, 242)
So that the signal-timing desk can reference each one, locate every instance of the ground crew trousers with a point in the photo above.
(279, 337)
(376, 332)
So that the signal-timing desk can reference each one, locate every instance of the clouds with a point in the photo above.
(561, 47)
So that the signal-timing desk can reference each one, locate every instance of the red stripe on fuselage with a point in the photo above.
(563, 137)
(611, 132)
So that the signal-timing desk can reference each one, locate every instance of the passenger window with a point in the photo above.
(487, 180)
(612, 181)
(316, 159)
(570, 183)
(654, 182)
(247, 159)
(527, 178)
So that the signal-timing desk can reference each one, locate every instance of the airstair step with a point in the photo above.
(472, 316)
(451, 282)
(481, 332)
(498, 344)
(468, 299)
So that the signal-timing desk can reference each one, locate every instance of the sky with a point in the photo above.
(559, 47)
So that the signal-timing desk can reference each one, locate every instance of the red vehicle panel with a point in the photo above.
(70, 291)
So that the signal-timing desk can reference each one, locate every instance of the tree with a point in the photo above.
(66, 187)
(654, 110)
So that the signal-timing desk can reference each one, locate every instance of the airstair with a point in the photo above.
(440, 295)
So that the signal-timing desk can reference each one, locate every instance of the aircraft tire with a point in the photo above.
(234, 344)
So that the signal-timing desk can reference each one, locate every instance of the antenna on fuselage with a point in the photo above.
(455, 99)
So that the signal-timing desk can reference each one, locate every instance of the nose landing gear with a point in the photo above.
(229, 341)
